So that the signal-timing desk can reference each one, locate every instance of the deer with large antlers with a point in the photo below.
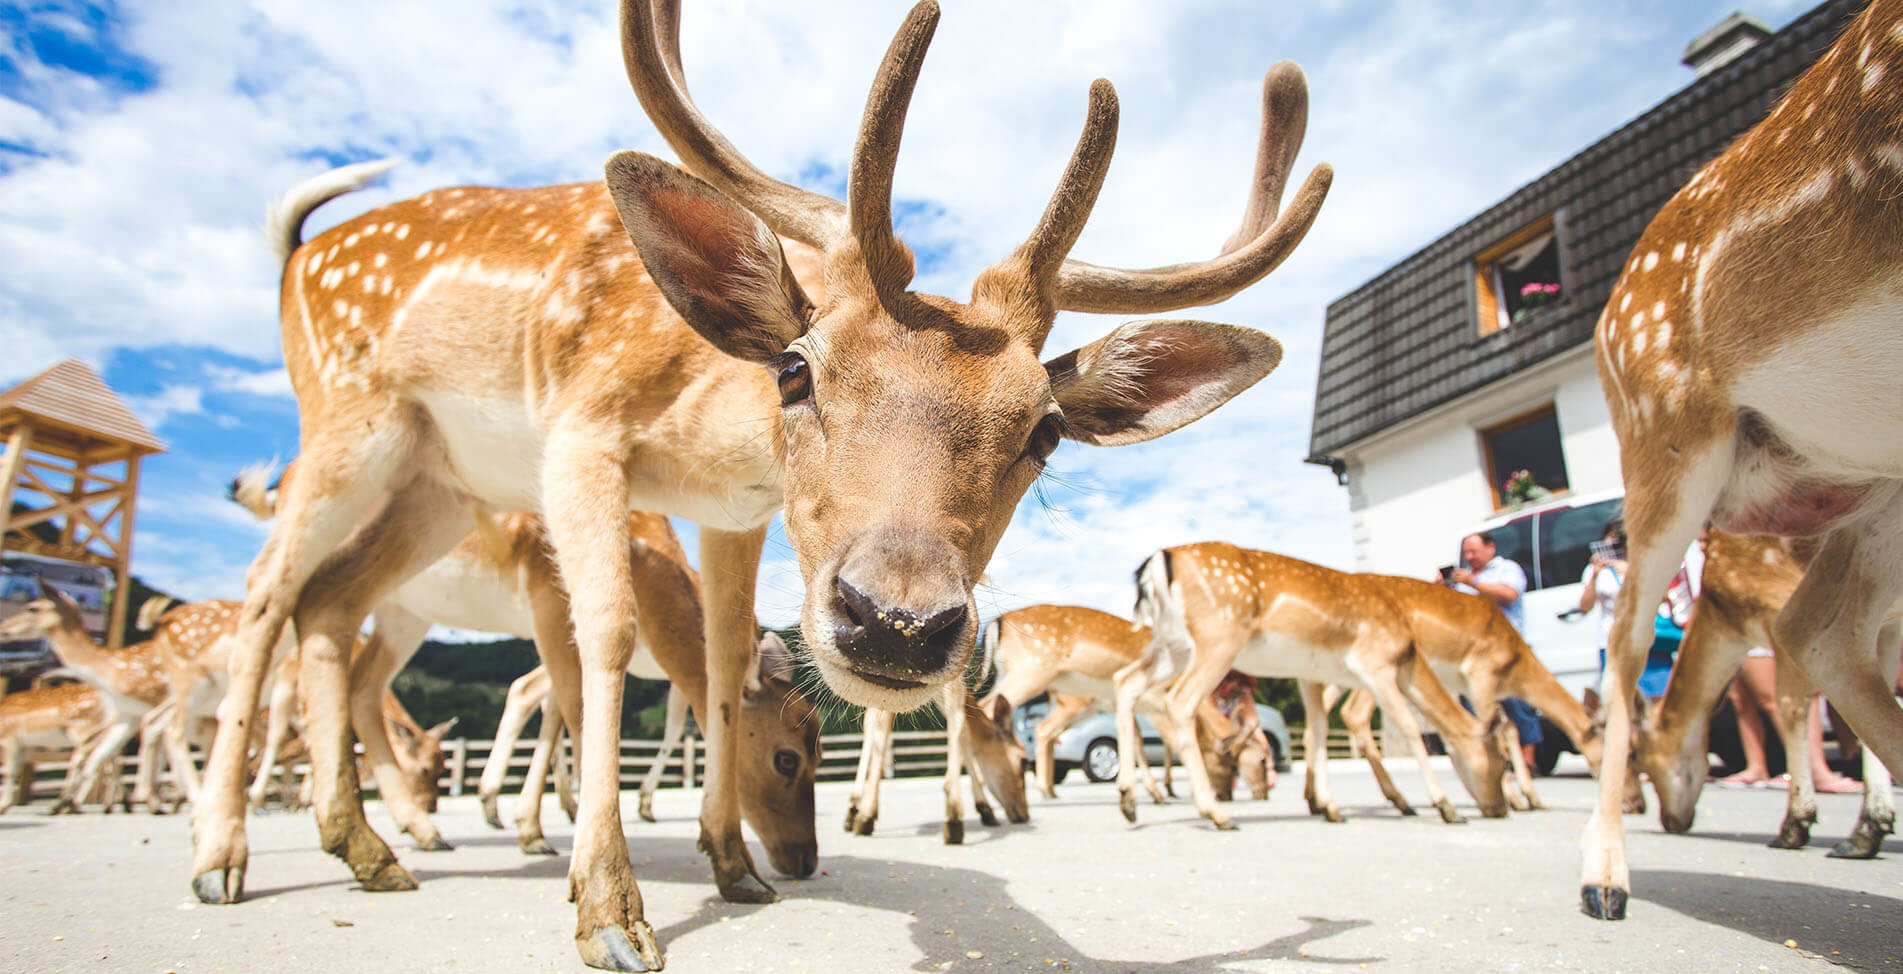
(511, 349)
(1214, 607)
(1747, 582)
(1756, 313)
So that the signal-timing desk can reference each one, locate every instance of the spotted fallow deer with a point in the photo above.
(512, 349)
(503, 578)
(1747, 581)
(43, 721)
(1749, 356)
(1075, 653)
(1214, 607)
(143, 684)
(977, 730)
(1477, 653)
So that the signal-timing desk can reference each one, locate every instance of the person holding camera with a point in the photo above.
(1602, 578)
(1483, 572)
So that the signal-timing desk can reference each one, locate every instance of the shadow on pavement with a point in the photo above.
(979, 910)
(1820, 840)
(1840, 925)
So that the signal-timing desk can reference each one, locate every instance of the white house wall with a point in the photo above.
(1414, 488)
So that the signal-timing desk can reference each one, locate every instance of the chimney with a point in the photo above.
(1724, 43)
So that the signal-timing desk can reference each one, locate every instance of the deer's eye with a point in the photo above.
(795, 378)
(786, 763)
(1044, 438)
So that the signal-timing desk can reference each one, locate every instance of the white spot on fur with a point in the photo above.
(351, 241)
(1625, 300)
(403, 232)
(379, 260)
(423, 251)
(1678, 250)
(1664, 335)
(1651, 260)
(389, 226)
(1872, 75)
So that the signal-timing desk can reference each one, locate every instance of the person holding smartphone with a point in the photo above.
(1483, 572)
(1602, 578)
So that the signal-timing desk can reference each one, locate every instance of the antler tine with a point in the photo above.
(1284, 109)
(876, 155)
(1089, 287)
(809, 217)
(1069, 209)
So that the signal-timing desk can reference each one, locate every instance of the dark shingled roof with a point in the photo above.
(1406, 341)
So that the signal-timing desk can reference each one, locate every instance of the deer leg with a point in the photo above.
(1793, 722)
(1321, 797)
(562, 768)
(395, 637)
(979, 784)
(730, 566)
(525, 696)
(1383, 684)
(1672, 747)
(670, 738)
(420, 523)
(342, 478)
(1147, 774)
(1358, 716)
(1663, 517)
(1191, 689)
(952, 701)
(859, 773)
(1131, 683)
(583, 487)
(528, 808)
(878, 753)
(277, 726)
(108, 746)
(1064, 712)
(1878, 816)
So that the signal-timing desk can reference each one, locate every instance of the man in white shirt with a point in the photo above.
(1483, 572)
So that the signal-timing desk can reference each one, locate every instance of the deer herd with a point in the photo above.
(503, 395)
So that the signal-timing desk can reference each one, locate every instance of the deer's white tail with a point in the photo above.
(284, 218)
(1160, 606)
(988, 647)
(256, 491)
(151, 610)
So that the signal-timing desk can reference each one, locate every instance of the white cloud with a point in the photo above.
(270, 382)
(168, 402)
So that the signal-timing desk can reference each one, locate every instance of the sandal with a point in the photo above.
(1842, 786)
(1743, 779)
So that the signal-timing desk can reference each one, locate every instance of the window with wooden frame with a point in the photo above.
(1525, 461)
(1517, 276)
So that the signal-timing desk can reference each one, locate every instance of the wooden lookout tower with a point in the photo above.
(69, 475)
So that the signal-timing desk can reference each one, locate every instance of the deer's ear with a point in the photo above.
(718, 265)
(1148, 378)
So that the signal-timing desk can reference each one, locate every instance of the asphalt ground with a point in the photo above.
(1075, 889)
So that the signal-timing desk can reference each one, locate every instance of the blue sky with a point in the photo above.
(140, 143)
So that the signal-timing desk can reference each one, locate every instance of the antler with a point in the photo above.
(1258, 247)
(654, 71)
(876, 155)
(1076, 194)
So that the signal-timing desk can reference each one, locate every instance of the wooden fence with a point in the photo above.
(913, 753)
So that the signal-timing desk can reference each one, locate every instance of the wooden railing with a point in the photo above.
(913, 753)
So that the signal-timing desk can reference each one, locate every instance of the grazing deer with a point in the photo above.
(511, 349)
(976, 730)
(1747, 582)
(503, 578)
(1075, 654)
(48, 720)
(1477, 653)
(1214, 607)
(778, 763)
(1758, 311)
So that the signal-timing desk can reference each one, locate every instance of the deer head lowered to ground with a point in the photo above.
(510, 349)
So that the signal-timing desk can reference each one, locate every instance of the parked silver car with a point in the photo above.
(1091, 743)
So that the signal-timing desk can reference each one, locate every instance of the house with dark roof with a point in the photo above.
(1471, 360)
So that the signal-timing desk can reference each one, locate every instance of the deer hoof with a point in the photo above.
(489, 813)
(987, 816)
(1332, 815)
(1450, 814)
(1602, 902)
(434, 843)
(955, 833)
(1128, 803)
(1863, 842)
(647, 807)
(864, 825)
(748, 888)
(852, 817)
(1406, 810)
(1794, 834)
(615, 949)
(392, 878)
(536, 846)
(219, 886)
